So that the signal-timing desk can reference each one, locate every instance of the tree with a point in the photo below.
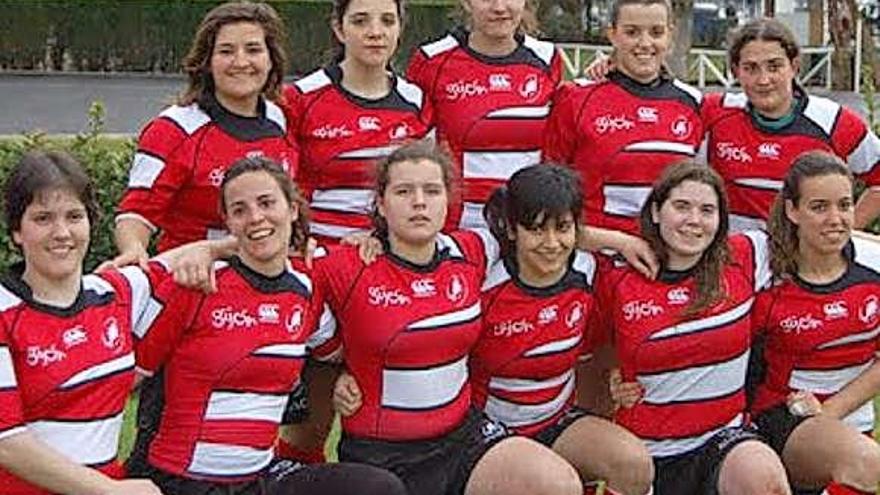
(683, 13)
(841, 26)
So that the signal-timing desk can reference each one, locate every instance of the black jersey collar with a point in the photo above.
(669, 276)
(441, 254)
(841, 283)
(569, 280)
(285, 281)
(12, 280)
(238, 126)
(519, 55)
(393, 100)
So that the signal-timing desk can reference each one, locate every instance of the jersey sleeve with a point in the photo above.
(420, 71)
(556, 68)
(858, 145)
(600, 324)
(11, 410)
(158, 170)
(137, 287)
(324, 344)
(174, 310)
(752, 249)
(561, 137)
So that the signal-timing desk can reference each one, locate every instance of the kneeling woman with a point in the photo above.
(685, 338)
(536, 303)
(231, 358)
(820, 324)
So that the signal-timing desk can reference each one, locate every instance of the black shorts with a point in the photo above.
(696, 472)
(550, 433)
(439, 466)
(776, 425)
(286, 477)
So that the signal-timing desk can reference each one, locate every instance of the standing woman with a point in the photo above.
(235, 68)
(408, 323)
(232, 357)
(536, 302)
(820, 324)
(755, 136)
(66, 360)
(620, 134)
(351, 113)
(685, 338)
(491, 86)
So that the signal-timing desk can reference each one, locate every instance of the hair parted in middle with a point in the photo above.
(707, 272)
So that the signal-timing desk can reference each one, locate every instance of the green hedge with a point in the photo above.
(105, 159)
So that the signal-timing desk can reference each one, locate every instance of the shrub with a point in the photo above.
(105, 159)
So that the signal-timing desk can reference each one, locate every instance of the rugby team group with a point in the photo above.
(464, 263)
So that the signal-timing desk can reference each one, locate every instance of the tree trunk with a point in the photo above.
(841, 24)
(870, 57)
(683, 13)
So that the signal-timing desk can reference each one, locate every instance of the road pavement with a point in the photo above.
(59, 103)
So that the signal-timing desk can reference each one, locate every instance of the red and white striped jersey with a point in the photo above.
(229, 360)
(692, 369)
(406, 333)
(341, 136)
(620, 135)
(490, 111)
(66, 373)
(821, 337)
(182, 156)
(753, 159)
(523, 367)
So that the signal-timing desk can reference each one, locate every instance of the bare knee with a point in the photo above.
(631, 470)
(859, 467)
(752, 468)
(518, 466)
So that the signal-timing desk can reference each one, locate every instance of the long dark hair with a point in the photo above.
(340, 7)
(421, 150)
(299, 233)
(544, 189)
(197, 62)
(39, 171)
(784, 243)
(707, 273)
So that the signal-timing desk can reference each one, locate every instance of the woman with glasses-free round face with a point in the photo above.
(755, 136)
(490, 82)
(56, 327)
(229, 110)
(622, 132)
(690, 327)
(819, 418)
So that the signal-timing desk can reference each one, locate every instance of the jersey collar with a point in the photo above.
(12, 280)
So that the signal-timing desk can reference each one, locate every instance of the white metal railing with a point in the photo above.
(707, 66)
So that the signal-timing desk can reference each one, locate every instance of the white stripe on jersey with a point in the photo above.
(145, 169)
(135, 216)
(410, 92)
(218, 459)
(8, 299)
(862, 418)
(7, 370)
(215, 234)
(345, 200)
(866, 154)
(107, 368)
(520, 113)
(435, 48)
(330, 230)
(734, 100)
(276, 114)
(687, 88)
(97, 284)
(245, 406)
(472, 216)
(524, 385)
(759, 183)
(543, 49)
(761, 248)
(823, 112)
(496, 275)
(144, 307)
(851, 339)
(423, 388)
(697, 383)
(15, 430)
(662, 146)
(825, 381)
(742, 223)
(498, 165)
(190, 117)
(311, 82)
(867, 253)
(326, 328)
(625, 200)
(447, 319)
(702, 324)
(368, 153)
(282, 351)
(675, 446)
(83, 442)
(513, 414)
(554, 347)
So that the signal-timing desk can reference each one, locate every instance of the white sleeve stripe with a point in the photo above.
(866, 155)
(326, 329)
(15, 430)
(139, 218)
(7, 370)
(145, 169)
